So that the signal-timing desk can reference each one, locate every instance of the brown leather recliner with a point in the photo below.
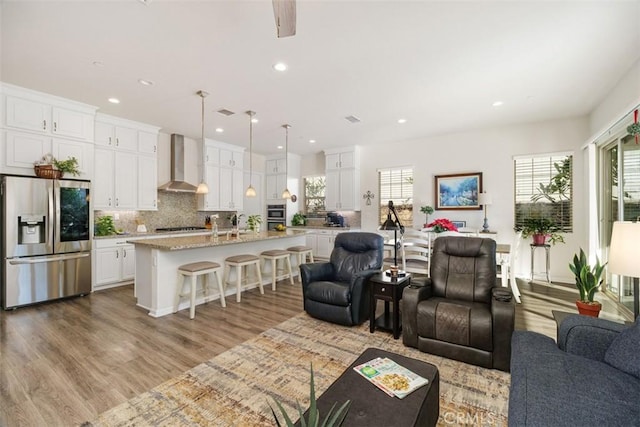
(458, 313)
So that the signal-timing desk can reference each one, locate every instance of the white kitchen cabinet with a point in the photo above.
(125, 168)
(118, 137)
(275, 185)
(275, 166)
(324, 242)
(148, 143)
(115, 180)
(82, 151)
(342, 179)
(45, 118)
(23, 149)
(223, 173)
(114, 263)
(147, 182)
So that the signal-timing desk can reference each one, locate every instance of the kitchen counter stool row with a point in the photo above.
(279, 260)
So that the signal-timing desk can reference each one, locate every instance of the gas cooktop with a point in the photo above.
(169, 229)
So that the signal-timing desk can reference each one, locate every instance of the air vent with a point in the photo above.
(353, 119)
(226, 112)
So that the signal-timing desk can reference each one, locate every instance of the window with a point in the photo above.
(397, 185)
(314, 195)
(544, 189)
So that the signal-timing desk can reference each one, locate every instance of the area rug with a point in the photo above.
(236, 387)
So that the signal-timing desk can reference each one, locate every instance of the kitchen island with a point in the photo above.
(157, 262)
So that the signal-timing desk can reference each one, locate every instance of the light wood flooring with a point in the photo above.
(64, 362)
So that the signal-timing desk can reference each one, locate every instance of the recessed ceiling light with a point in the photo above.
(279, 147)
(145, 82)
(254, 120)
(280, 66)
(312, 141)
(114, 100)
(219, 130)
(402, 121)
(497, 104)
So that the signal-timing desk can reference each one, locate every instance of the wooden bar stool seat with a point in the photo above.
(242, 263)
(193, 271)
(284, 272)
(302, 254)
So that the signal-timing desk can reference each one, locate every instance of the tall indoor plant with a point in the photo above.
(588, 280)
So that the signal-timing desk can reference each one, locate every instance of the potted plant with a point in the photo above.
(442, 224)
(541, 230)
(104, 226)
(253, 223)
(588, 280)
(298, 219)
(235, 219)
(427, 210)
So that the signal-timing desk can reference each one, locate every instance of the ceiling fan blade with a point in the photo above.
(285, 14)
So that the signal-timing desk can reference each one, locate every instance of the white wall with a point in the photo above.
(491, 152)
(624, 96)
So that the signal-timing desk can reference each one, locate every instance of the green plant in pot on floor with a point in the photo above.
(541, 230)
(588, 281)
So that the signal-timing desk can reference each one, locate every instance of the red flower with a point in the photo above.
(442, 224)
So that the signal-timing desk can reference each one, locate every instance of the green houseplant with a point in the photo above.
(298, 219)
(427, 210)
(104, 226)
(253, 223)
(332, 419)
(67, 166)
(541, 230)
(588, 280)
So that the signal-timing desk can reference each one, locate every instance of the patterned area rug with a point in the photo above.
(236, 387)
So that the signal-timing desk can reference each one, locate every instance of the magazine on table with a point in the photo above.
(388, 376)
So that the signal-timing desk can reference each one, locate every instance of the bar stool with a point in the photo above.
(302, 254)
(274, 256)
(193, 271)
(240, 262)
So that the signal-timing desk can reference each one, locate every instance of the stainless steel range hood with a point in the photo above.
(177, 182)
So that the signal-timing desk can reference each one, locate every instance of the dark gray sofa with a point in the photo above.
(571, 383)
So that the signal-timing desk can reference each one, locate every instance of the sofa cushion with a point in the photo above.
(334, 293)
(552, 387)
(624, 351)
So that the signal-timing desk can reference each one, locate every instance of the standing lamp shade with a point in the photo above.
(286, 194)
(203, 188)
(484, 199)
(623, 254)
(251, 192)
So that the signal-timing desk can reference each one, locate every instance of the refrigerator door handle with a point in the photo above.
(48, 259)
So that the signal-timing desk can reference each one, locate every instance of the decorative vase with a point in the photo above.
(589, 309)
(539, 239)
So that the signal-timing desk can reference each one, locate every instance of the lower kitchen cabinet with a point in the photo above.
(114, 263)
(322, 241)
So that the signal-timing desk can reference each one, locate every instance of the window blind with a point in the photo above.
(396, 185)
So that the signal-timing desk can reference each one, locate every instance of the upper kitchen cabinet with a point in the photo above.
(34, 124)
(223, 172)
(126, 165)
(279, 176)
(342, 179)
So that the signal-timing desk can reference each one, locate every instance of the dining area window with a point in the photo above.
(396, 185)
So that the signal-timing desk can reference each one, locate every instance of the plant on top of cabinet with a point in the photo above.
(50, 167)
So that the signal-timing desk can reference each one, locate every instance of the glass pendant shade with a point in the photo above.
(203, 188)
(286, 194)
(251, 192)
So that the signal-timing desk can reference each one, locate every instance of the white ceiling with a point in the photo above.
(440, 65)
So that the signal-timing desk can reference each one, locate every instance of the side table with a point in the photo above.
(547, 250)
(390, 290)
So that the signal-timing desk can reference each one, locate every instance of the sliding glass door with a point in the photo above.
(620, 201)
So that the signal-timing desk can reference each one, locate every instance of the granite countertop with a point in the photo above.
(317, 227)
(152, 233)
(193, 242)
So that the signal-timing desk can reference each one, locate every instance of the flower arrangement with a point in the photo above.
(634, 128)
(442, 224)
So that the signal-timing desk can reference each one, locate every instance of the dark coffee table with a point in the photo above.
(370, 406)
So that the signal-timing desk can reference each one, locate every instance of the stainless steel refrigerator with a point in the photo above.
(46, 239)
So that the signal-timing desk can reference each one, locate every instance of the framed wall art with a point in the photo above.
(458, 191)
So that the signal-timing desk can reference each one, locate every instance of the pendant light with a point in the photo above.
(251, 192)
(286, 194)
(203, 188)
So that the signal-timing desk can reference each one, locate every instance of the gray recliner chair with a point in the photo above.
(337, 291)
(458, 313)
